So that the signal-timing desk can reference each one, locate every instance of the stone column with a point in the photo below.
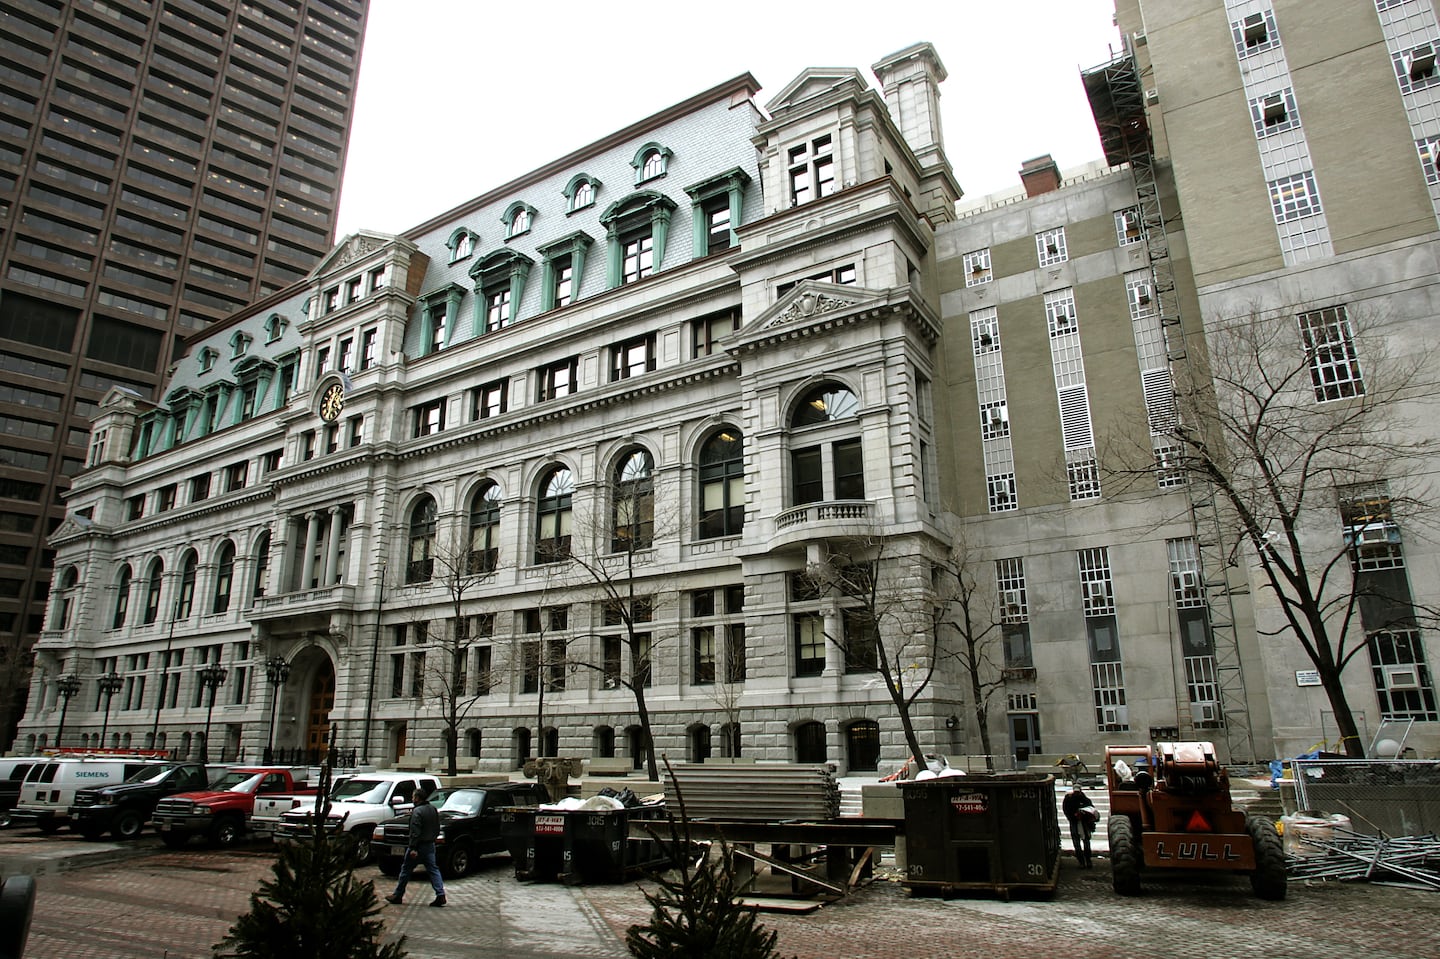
(307, 560)
(332, 546)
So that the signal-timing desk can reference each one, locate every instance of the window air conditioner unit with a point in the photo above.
(1011, 599)
(1402, 677)
(1189, 580)
(1063, 319)
(1139, 39)
(978, 267)
(1421, 61)
(1152, 97)
(1272, 108)
(1254, 30)
(1097, 594)
(1132, 224)
(1205, 712)
(986, 339)
(1117, 715)
(997, 418)
(1141, 294)
(1374, 534)
(1051, 247)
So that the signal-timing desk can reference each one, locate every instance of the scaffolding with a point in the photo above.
(1117, 95)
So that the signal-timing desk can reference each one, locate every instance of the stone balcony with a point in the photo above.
(323, 609)
(828, 519)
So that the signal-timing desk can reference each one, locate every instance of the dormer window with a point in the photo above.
(461, 244)
(208, 357)
(274, 327)
(517, 219)
(239, 343)
(651, 162)
(580, 192)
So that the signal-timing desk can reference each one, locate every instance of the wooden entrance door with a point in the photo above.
(322, 700)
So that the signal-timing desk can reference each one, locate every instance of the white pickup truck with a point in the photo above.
(268, 809)
(357, 806)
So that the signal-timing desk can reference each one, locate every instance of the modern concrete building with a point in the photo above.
(161, 165)
(1302, 139)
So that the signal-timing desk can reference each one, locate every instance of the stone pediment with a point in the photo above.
(813, 82)
(71, 527)
(354, 247)
(123, 398)
(811, 299)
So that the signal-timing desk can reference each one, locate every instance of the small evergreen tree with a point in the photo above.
(314, 908)
(697, 909)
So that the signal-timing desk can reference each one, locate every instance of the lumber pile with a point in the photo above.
(758, 791)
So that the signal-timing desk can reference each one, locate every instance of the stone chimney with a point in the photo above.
(1040, 175)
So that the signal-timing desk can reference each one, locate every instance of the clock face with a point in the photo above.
(332, 401)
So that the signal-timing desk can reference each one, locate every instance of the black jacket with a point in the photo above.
(424, 824)
(1074, 802)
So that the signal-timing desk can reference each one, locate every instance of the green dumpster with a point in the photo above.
(996, 834)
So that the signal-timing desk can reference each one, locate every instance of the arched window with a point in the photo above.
(722, 485)
(69, 579)
(517, 219)
(519, 746)
(584, 195)
(224, 577)
(553, 517)
(472, 743)
(604, 744)
(186, 597)
(635, 745)
(550, 742)
(420, 562)
(484, 552)
(634, 506)
(152, 591)
(122, 597)
(862, 745)
(262, 567)
(650, 162)
(833, 469)
(580, 192)
(810, 743)
(825, 404)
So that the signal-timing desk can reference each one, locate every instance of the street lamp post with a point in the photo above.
(68, 687)
(212, 676)
(109, 684)
(277, 671)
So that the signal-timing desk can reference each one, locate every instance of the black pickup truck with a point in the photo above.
(124, 808)
(469, 826)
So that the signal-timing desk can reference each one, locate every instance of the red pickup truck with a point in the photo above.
(222, 812)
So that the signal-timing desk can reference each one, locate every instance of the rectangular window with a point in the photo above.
(808, 475)
(167, 498)
(347, 351)
(429, 418)
(417, 675)
(1329, 345)
(322, 361)
(354, 289)
(1294, 197)
(632, 358)
(849, 470)
(357, 431)
(1128, 228)
(717, 224)
(735, 653)
(638, 257)
(270, 462)
(489, 400)
(557, 379)
(563, 275)
(812, 171)
(1050, 246)
(236, 475)
(977, 267)
(641, 663)
(708, 330)
(307, 445)
(1429, 150)
(862, 641)
(610, 661)
(497, 307)
(702, 655)
(809, 644)
(367, 349)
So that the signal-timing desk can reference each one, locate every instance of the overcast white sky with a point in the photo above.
(459, 96)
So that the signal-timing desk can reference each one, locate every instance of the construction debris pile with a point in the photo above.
(754, 791)
(1345, 854)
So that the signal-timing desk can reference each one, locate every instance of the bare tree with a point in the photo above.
(619, 572)
(890, 622)
(454, 564)
(967, 604)
(1302, 433)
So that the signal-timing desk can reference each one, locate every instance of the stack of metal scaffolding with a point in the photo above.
(1346, 854)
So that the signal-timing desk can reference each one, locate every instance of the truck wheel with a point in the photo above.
(1124, 856)
(390, 866)
(127, 825)
(1268, 879)
(360, 844)
(228, 832)
(459, 862)
(175, 840)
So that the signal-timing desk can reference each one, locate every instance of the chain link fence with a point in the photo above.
(1381, 797)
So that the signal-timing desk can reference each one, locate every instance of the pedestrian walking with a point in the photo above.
(1082, 815)
(420, 849)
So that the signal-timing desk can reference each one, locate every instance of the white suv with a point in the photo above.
(357, 806)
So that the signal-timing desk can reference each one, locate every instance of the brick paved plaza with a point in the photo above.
(112, 902)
